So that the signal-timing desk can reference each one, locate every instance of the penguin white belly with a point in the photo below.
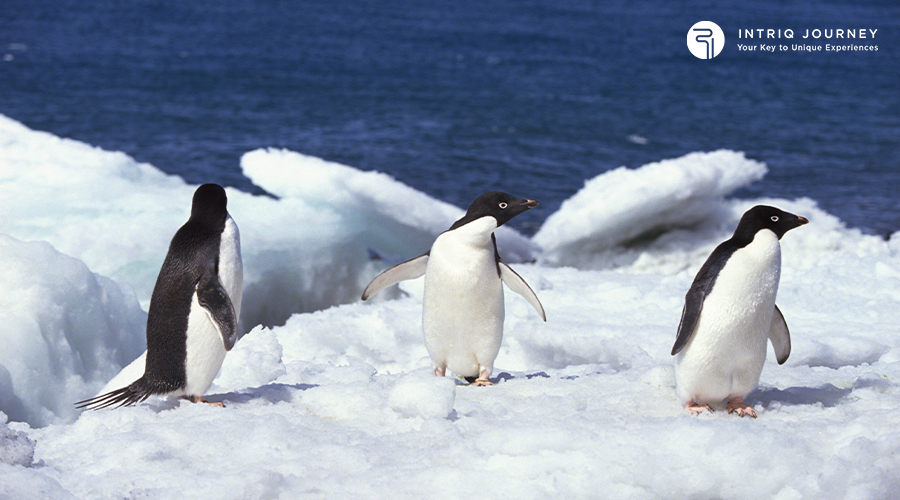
(205, 347)
(205, 351)
(463, 301)
(725, 356)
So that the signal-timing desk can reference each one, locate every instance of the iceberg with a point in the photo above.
(631, 208)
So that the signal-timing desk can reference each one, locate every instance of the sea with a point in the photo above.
(531, 97)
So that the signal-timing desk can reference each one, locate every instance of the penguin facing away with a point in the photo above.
(194, 309)
(463, 310)
(730, 313)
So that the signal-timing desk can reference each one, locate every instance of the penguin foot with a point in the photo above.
(199, 399)
(696, 408)
(738, 406)
(439, 372)
(482, 380)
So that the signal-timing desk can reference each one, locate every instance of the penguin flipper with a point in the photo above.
(701, 287)
(780, 337)
(212, 296)
(408, 270)
(518, 285)
(690, 316)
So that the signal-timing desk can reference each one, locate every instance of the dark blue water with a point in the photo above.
(456, 98)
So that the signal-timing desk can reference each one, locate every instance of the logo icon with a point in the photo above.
(705, 39)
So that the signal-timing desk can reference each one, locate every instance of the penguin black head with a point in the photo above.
(209, 206)
(766, 217)
(500, 206)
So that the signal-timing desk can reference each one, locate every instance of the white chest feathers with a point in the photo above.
(749, 280)
(463, 301)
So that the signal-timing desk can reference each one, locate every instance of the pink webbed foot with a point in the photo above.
(696, 408)
(737, 405)
(482, 380)
(439, 372)
(199, 399)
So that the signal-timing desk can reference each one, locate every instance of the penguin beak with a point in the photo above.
(802, 220)
(530, 204)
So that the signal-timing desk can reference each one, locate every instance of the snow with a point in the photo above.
(18, 448)
(64, 331)
(335, 397)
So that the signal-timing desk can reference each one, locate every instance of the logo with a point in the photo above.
(705, 39)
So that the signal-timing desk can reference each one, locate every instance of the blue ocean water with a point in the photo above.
(461, 97)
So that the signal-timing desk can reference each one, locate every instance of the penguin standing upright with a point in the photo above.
(194, 308)
(463, 310)
(729, 314)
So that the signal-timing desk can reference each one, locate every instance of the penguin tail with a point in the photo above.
(134, 393)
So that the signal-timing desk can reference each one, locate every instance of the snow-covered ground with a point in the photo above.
(335, 398)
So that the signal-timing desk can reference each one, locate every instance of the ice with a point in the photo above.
(16, 448)
(341, 402)
(327, 225)
(65, 331)
(101, 207)
(627, 207)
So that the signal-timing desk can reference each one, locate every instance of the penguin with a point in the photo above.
(463, 310)
(729, 314)
(194, 308)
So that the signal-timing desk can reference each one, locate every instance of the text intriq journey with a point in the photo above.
(815, 33)
(845, 35)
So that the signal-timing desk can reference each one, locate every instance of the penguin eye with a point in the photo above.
(774, 218)
(503, 204)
